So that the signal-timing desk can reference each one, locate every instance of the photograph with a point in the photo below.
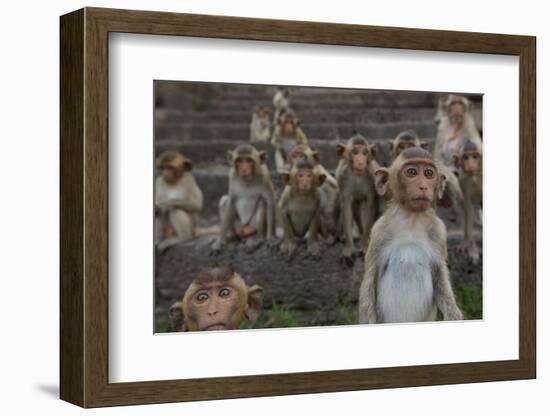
(279, 206)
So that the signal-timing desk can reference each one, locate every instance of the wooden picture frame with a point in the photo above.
(84, 207)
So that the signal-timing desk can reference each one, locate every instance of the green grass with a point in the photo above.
(469, 300)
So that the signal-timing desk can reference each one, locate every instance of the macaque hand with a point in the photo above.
(347, 255)
(454, 315)
(218, 246)
(314, 250)
(288, 247)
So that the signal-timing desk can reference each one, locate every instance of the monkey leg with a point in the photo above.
(254, 232)
(182, 223)
(280, 163)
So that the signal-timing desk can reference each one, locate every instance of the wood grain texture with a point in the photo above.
(84, 206)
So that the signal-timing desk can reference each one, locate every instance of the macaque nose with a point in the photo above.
(212, 309)
(423, 187)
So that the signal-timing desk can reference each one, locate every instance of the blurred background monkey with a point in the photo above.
(405, 140)
(328, 189)
(281, 102)
(248, 211)
(217, 299)
(178, 199)
(300, 207)
(260, 126)
(468, 161)
(357, 198)
(406, 276)
(456, 127)
(286, 135)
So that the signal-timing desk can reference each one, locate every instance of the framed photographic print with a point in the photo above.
(334, 207)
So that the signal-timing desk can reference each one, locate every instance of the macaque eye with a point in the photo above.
(365, 152)
(201, 297)
(476, 157)
(410, 172)
(355, 151)
(429, 173)
(225, 292)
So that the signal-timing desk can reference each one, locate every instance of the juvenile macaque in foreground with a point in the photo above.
(328, 190)
(469, 164)
(281, 102)
(248, 211)
(217, 299)
(406, 276)
(455, 128)
(260, 126)
(300, 207)
(178, 199)
(408, 139)
(286, 135)
(357, 197)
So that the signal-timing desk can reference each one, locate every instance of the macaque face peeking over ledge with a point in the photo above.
(305, 180)
(217, 299)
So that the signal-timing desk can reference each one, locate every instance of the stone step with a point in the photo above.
(185, 131)
(307, 116)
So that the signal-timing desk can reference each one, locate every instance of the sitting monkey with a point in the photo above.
(406, 276)
(217, 299)
(300, 207)
(328, 190)
(248, 211)
(357, 199)
(260, 126)
(281, 102)
(178, 199)
(468, 161)
(287, 134)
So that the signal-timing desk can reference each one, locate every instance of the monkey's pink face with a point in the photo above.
(168, 173)
(245, 167)
(214, 306)
(289, 126)
(359, 156)
(304, 180)
(456, 113)
(471, 163)
(419, 181)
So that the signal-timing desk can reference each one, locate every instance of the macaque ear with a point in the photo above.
(321, 178)
(187, 166)
(263, 156)
(341, 149)
(176, 317)
(456, 161)
(316, 156)
(381, 181)
(390, 146)
(255, 300)
(372, 149)
(424, 145)
(286, 177)
(230, 156)
(442, 185)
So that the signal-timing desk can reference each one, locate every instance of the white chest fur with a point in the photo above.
(405, 285)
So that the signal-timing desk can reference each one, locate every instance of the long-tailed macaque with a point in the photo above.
(357, 199)
(408, 139)
(406, 276)
(300, 207)
(178, 199)
(456, 127)
(260, 126)
(217, 299)
(469, 164)
(328, 190)
(281, 102)
(286, 135)
(248, 211)
(405, 140)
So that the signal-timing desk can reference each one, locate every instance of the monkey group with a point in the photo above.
(389, 210)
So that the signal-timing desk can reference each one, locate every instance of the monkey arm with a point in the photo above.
(443, 292)
(193, 200)
(367, 292)
(283, 215)
(347, 217)
(271, 213)
(227, 222)
(328, 177)
(276, 138)
(301, 137)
